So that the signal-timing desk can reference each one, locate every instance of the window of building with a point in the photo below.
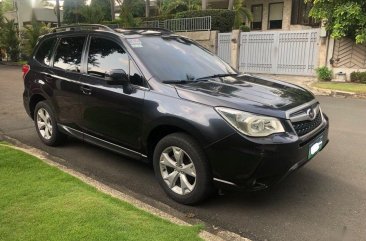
(257, 11)
(44, 51)
(68, 54)
(275, 15)
(300, 13)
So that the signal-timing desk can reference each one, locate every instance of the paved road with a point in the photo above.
(324, 200)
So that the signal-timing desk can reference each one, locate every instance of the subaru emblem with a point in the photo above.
(311, 113)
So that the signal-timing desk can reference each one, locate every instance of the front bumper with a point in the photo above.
(258, 163)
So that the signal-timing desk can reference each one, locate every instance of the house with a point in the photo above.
(273, 14)
(22, 15)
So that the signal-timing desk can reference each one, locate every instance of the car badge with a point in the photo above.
(311, 113)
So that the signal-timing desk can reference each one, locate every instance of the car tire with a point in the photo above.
(46, 125)
(181, 168)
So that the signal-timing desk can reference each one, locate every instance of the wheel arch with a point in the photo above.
(167, 127)
(34, 100)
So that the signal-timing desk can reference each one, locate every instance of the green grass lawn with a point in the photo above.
(40, 202)
(350, 87)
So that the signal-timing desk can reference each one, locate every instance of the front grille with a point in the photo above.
(304, 127)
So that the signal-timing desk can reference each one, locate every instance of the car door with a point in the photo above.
(65, 76)
(109, 110)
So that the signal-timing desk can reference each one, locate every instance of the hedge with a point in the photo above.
(221, 19)
(358, 77)
(160, 18)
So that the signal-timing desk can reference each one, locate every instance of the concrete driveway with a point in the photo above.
(325, 200)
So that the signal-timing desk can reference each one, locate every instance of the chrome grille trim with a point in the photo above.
(300, 107)
(300, 114)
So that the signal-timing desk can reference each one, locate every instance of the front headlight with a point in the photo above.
(250, 124)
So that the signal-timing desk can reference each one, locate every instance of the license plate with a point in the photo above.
(315, 147)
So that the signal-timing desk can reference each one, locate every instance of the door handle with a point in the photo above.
(86, 90)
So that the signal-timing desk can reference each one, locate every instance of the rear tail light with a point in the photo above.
(25, 70)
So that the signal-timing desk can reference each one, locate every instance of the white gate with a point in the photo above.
(224, 49)
(282, 52)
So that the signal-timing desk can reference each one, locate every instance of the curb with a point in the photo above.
(11, 64)
(335, 93)
(219, 235)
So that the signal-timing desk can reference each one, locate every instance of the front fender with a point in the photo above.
(200, 121)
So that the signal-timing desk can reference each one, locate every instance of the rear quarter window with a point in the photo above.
(44, 51)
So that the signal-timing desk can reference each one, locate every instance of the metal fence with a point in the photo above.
(182, 24)
(283, 52)
(223, 48)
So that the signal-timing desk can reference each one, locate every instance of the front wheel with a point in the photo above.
(181, 169)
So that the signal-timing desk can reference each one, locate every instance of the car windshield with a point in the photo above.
(175, 58)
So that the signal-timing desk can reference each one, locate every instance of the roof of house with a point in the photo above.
(41, 15)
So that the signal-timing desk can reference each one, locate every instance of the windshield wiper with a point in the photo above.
(181, 81)
(216, 76)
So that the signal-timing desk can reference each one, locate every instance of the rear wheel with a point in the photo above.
(181, 169)
(46, 125)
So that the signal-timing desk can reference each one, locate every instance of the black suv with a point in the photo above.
(156, 96)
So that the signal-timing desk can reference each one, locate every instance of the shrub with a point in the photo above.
(244, 28)
(358, 77)
(160, 17)
(324, 73)
(10, 40)
(221, 19)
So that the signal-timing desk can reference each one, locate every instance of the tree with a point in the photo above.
(92, 14)
(32, 33)
(1, 29)
(103, 6)
(176, 6)
(147, 11)
(72, 11)
(1, 16)
(125, 18)
(7, 5)
(47, 3)
(138, 8)
(10, 39)
(342, 17)
(241, 12)
(230, 5)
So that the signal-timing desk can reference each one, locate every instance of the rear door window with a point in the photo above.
(68, 53)
(44, 51)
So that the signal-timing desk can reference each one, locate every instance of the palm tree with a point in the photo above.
(112, 9)
(147, 12)
(231, 4)
(10, 39)
(241, 12)
(31, 34)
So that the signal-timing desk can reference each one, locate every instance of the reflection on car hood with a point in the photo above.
(246, 92)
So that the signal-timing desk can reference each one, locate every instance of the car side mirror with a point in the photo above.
(117, 77)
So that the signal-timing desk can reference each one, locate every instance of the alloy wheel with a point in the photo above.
(177, 170)
(44, 123)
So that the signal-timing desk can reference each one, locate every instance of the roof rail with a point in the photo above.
(78, 27)
(145, 28)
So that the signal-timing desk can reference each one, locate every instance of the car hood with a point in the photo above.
(248, 93)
